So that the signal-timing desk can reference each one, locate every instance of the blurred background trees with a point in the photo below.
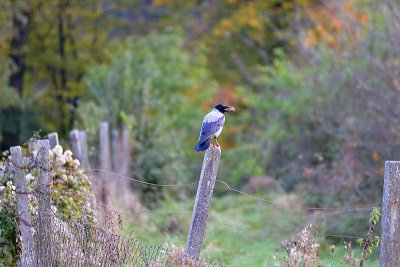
(315, 82)
(155, 87)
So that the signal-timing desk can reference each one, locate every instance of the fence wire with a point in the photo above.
(361, 207)
(60, 242)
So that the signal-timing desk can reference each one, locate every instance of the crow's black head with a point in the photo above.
(222, 108)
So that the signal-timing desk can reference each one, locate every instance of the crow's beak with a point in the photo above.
(229, 109)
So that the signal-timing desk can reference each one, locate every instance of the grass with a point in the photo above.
(240, 231)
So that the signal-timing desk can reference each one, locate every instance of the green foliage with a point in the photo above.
(155, 86)
(7, 95)
(45, 50)
(8, 242)
(367, 244)
(310, 120)
(375, 215)
(278, 116)
(152, 75)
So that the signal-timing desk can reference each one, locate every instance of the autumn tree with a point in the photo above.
(15, 17)
(67, 36)
(48, 46)
(239, 34)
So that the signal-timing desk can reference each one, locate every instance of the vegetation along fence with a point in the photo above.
(50, 239)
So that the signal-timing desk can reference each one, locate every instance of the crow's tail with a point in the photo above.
(203, 146)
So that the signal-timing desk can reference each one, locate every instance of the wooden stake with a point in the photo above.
(84, 152)
(390, 240)
(76, 145)
(53, 139)
(202, 203)
(44, 228)
(24, 220)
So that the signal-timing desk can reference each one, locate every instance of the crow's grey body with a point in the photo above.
(211, 127)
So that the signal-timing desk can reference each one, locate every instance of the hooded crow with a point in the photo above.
(212, 126)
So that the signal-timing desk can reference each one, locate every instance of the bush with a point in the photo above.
(72, 198)
(323, 121)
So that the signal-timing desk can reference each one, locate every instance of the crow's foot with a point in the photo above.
(215, 138)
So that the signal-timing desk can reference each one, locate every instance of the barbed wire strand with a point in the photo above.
(141, 211)
(245, 194)
(344, 236)
(295, 206)
(229, 188)
(284, 237)
(144, 182)
(238, 191)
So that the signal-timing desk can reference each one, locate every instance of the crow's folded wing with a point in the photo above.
(208, 129)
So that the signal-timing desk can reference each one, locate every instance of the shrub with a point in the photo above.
(72, 198)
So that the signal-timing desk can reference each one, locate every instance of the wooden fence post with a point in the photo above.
(76, 145)
(53, 139)
(44, 230)
(390, 240)
(32, 147)
(104, 137)
(125, 151)
(202, 203)
(115, 153)
(24, 220)
(84, 151)
(105, 162)
(115, 150)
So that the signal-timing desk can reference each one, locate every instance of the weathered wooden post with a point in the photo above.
(104, 136)
(115, 150)
(44, 228)
(115, 153)
(76, 145)
(53, 139)
(125, 151)
(24, 220)
(32, 147)
(202, 203)
(105, 162)
(390, 240)
(84, 151)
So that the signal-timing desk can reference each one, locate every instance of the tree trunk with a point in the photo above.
(61, 70)
(20, 21)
